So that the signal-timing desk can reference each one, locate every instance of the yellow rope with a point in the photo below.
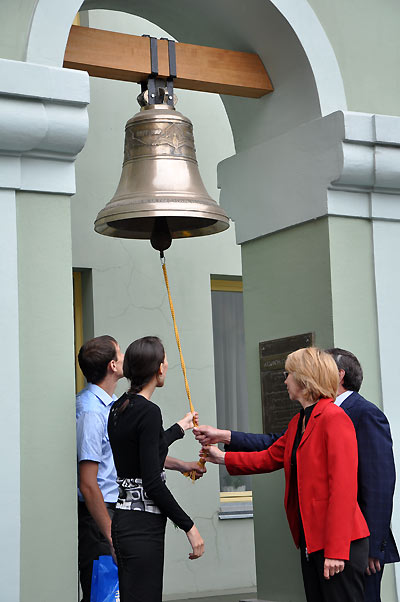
(202, 461)
(178, 341)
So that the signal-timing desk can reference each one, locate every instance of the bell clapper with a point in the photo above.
(161, 238)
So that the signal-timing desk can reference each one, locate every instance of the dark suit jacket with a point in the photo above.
(376, 471)
(376, 474)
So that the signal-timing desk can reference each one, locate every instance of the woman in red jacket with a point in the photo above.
(318, 453)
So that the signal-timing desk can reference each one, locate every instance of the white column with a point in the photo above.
(10, 410)
(387, 277)
(43, 126)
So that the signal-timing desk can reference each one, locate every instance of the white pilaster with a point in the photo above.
(43, 126)
(386, 237)
(10, 398)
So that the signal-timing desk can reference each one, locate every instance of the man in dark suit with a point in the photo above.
(376, 471)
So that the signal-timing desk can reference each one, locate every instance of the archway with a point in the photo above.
(293, 45)
(289, 39)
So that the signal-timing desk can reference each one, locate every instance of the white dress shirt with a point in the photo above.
(340, 398)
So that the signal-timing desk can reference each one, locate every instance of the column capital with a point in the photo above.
(343, 164)
(43, 126)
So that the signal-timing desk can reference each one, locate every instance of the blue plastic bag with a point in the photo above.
(105, 586)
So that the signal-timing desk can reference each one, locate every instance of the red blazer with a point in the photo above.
(326, 478)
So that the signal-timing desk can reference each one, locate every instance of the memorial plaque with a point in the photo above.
(277, 407)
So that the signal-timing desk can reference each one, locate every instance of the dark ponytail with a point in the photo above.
(142, 361)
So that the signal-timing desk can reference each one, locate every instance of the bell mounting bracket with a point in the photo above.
(156, 90)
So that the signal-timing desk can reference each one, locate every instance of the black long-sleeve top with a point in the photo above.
(140, 446)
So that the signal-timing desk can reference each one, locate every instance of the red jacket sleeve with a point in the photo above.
(257, 462)
(341, 450)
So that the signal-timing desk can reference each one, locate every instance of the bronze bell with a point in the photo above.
(160, 194)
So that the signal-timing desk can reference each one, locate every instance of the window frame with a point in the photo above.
(78, 327)
(233, 504)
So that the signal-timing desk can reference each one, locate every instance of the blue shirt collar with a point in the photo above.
(101, 394)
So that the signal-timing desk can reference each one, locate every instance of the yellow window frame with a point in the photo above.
(78, 327)
(227, 285)
(228, 497)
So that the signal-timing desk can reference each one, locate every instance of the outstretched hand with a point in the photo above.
(212, 454)
(187, 421)
(207, 435)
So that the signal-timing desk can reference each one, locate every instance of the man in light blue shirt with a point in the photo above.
(92, 408)
(101, 361)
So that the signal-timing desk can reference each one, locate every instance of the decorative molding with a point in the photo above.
(43, 126)
(30, 80)
(371, 153)
(344, 164)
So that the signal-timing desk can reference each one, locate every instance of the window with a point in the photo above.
(230, 382)
(83, 315)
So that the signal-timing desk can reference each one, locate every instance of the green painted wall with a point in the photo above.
(48, 451)
(364, 36)
(15, 19)
(353, 297)
(287, 291)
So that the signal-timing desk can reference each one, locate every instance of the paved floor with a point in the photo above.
(228, 598)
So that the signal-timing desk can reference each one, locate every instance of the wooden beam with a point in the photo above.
(125, 57)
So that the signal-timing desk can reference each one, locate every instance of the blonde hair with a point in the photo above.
(315, 371)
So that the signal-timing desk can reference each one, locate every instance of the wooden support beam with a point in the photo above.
(125, 57)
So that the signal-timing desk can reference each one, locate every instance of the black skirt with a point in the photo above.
(138, 539)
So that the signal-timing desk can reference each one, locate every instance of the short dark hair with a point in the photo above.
(347, 361)
(142, 361)
(95, 355)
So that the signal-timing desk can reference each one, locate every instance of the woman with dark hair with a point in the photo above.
(140, 446)
(318, 453)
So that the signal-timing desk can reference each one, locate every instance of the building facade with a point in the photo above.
(310, 176)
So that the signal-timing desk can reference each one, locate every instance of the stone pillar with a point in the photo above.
(317, 213)
(43, 125)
